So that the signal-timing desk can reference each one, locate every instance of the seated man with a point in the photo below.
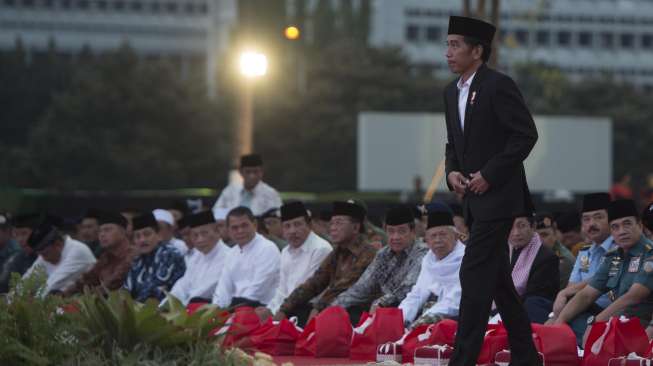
(167, 229)
(251, 275)
(546, 229)
(299, 260)
(63, 259)
(157, 267)
(535, 270)
(18, 261)
(205, 267)
(439, 274)
(88, 230)
(626, 273)
(340, 269)
(112, 265)
(392, 273)
(569, 231)
(595, 228)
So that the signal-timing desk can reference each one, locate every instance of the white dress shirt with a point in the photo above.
(297, 265)
(252, 272)
(259, 200)
(440, 278)
(76, 259)
(202, 274)
(463, 93)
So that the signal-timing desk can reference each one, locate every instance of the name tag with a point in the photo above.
(633, 267)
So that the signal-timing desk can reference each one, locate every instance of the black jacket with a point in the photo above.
(544, 276)
(499, 134)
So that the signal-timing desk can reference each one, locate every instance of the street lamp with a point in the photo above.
(252, 65)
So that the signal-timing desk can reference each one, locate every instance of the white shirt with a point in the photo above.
(76, 259)
(263, 198)
(252, 272)
(439, 277)
(202, 274)
(463, 89)
(297, 265)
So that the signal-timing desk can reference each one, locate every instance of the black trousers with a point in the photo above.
(485, 275)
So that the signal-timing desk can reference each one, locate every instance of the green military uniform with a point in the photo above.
(566, 265)
(620, 270)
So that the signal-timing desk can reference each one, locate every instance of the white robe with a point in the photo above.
(202, 274)
(76, 259)
(439, 277)
(297, 265)
(252, 272)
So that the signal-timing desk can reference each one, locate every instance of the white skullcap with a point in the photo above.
(220, 214)
(164, 215)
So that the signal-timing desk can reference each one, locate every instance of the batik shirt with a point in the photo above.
(387, 280)
(339, 271)
(152, 273)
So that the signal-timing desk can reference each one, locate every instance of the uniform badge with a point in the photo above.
(633, 266)
(648, 266)
(612, 296)
(584, 263)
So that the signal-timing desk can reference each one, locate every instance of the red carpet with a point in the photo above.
(307, 361)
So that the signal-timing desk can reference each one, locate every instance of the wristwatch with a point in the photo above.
(591, 320)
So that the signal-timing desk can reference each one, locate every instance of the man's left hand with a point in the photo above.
(478, 184)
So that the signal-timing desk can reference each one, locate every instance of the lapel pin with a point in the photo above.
(473, 97)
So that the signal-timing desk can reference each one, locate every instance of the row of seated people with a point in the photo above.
(418, 275)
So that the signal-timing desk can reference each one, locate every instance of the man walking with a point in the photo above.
(490, 132)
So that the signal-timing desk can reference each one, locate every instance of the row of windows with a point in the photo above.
(136, 6)
(564, 38)
(560, 18)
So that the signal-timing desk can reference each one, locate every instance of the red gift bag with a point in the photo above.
(326, 335)
(417, 337)
(238, 327)
(496, 339)
(276, 338)
(556, 343)
(385, 325)
(615, 338)
(631, 360)
(441, 333)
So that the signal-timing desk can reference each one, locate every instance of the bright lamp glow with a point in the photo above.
(253, 64)
(292, 33)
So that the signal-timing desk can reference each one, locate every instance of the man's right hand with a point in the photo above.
(458, 181)
(263, 313)
(280, 315)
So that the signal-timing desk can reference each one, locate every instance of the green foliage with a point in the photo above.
(119, 321)
(34, 332)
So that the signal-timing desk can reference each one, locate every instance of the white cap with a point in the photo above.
(164, 215)
(220, 214)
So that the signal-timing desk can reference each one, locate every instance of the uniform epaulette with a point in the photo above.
(648, 247)
(585, 247)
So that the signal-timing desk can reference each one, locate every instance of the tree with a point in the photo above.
(127, 124)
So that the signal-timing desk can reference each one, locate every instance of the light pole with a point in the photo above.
(253, 65)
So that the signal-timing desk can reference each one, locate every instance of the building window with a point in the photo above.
(119, 5)
(83, 4)
(28, 3)
(433, 34)
(564, 38)
(585, 39)
(607, 40)
(647, 41)
(412, 32)
(65, 4)
(189, 8)
(48, 4)
(521, 36)
(156, 7)
(543, 38)
(136, 6)
(627, 40)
